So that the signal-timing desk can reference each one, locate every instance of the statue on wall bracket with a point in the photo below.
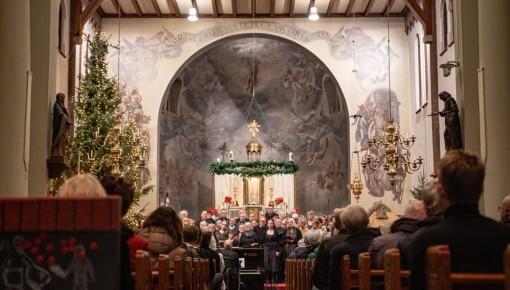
(452, 131)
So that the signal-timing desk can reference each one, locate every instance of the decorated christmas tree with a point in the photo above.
(106, 138)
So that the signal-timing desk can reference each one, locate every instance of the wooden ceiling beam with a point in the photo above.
(89, 11)
(369, 7)
(173, 3)
(388, 7)
(348, 12)
(291, 8)
(215, 7)
(234, 8)
(423, 15)
(118, 8)
(330, 7)
(137, 8)
(156, 7)
(100, 11)
(273, 3)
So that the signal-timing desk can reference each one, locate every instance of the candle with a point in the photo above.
(218, 159)
(97, 132)
(79, 156)
(231, 155)
(290, 156)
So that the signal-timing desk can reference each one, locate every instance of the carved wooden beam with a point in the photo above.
(89, 12)
(423, 15)
(156, 7)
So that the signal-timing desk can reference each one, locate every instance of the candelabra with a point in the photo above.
(234, 201)
(271, 194)
(392, 161)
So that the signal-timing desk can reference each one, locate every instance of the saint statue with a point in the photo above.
(60, 126)
(452, 131)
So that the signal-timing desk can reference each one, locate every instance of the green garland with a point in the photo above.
(254, 168)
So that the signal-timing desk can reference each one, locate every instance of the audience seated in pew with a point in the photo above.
(400, 229)
(321, 268)
(435, 208)
(355, 220)
(163, 230)
(205, 252)
(476, 242)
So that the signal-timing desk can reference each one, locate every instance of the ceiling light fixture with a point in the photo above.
(193, 13)
(313, 15)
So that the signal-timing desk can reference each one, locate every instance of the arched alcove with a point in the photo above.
(299, 105)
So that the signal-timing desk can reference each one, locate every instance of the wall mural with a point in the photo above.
(374, 112)
(299, 105)
(139, 57)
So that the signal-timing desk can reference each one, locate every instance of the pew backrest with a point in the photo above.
(57, 238)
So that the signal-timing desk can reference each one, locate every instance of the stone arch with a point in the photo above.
(298, 102)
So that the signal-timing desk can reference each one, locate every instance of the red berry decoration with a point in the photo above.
(34, 250)
(72, 241)
(39, 260)
(49, 248)
(37, 241)
(51, 260)
(82, 255)
(63, 243)
(93, 246)
(70, 249)
(64, 250)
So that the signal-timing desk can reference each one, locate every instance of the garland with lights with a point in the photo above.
(253, 168)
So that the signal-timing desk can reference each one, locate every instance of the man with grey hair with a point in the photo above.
(504, 210)
(183, 214)
(400, 229)
(248, 238)
(355, 220)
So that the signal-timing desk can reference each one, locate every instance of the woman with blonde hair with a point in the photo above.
(82, 185)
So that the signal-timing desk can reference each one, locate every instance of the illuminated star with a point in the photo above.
(254, 127)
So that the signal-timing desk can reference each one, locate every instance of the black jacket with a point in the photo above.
(321, 268)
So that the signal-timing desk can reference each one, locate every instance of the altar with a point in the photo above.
(254, 193)
(257, 183)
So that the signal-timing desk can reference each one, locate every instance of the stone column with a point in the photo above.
(15, 98)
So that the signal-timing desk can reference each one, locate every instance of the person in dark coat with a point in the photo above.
(232, 266)
(205, 252)
(476, 242)
(270, 214)
(292, 236)
(401, 228)
(260, 230)
(355, 220)
(248, 238)
(321, 269)
(272, 251)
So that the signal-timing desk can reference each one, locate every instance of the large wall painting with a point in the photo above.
(374, 112)
(299, 104)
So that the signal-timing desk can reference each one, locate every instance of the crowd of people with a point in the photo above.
(447, 214)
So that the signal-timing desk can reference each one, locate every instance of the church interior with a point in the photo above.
(243, 104)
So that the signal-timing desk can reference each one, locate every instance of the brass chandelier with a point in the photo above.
(395, 157)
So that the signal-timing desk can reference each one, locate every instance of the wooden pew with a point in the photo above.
(350, 277)
(143, 271)
(170, 278)
(51, 235)
(440, 277)
(393, 274)
(298, 274)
